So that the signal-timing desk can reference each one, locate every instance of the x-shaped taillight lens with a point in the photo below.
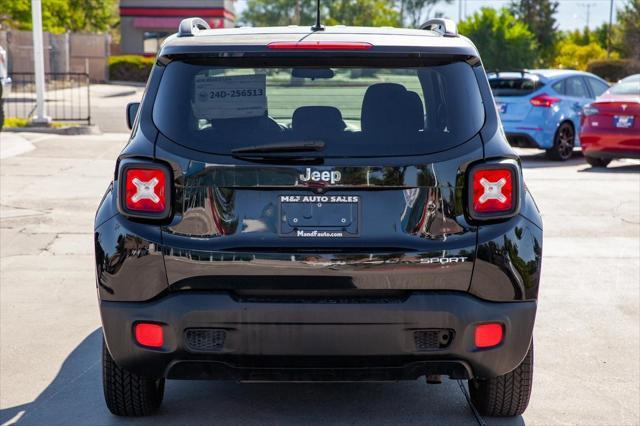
(493, 190)
(145, 190)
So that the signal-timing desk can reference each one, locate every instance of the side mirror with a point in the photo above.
(132, 110)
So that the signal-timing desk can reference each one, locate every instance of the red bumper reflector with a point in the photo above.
(150, 335)
(488, 335)
(319, 45)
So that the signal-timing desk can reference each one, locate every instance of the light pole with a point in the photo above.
(38, 63)
(588, 6)
(609, 29)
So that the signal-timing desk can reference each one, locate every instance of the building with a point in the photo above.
(145, 23)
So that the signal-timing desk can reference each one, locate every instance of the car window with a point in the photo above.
(632, 78)
(354, 110)
(559, 87)
(519, 86)
(575, 86)
(597, 87)
(626, 87)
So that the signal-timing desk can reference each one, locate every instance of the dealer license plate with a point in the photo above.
(623, 121)
(319, 216)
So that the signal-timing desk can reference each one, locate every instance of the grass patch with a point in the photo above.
(24, 122)
(15, 122)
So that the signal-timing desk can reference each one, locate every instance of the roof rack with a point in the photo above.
(192, 26)
(444, 27)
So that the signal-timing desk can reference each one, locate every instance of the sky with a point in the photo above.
(572, 14)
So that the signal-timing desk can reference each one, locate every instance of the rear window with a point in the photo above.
(354, 110)
(626, 88)
(519, 86)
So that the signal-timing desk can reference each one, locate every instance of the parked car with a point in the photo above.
(317, 204)
(611, 125)
(541, 108)
(5, 82)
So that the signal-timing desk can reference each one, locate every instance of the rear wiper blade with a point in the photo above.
(282, 147)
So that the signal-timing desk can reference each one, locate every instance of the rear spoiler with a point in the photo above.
(522, 72)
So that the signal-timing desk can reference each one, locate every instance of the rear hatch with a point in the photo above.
(617, 110)
(512, 92)
(319, 173)
(618, 115)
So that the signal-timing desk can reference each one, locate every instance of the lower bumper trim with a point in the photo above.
(218, 370)
(522, 140)
(304, 341)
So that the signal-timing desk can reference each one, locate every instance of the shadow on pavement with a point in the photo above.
(536, 159)
(533, 159)
(627, 168)
(75, 397)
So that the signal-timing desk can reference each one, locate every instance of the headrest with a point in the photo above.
(389, 107)
(416, 111)
(317, 121)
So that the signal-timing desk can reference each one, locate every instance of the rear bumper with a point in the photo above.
(319, 340)
(610, 144)
(522, 140)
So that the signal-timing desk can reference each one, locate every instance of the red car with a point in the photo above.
(610, 126)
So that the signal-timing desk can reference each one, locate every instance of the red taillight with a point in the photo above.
(319, 45)
(145, 190)
(589, 109)
(488, 335)
(149, 334)
(493, 190)
(544, 100)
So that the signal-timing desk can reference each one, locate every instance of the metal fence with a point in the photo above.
(67, 96)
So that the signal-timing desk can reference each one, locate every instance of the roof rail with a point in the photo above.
(445, 27)
(192, 26)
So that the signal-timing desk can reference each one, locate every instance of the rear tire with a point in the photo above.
(126, 393)
(506, 395)
(563, 143)
(597, 162)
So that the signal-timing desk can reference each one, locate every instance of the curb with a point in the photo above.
(127, 83)
(71, 130)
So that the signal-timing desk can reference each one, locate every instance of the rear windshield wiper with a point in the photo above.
(281, 147)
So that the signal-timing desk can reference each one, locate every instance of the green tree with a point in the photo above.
(261, 13)
(93, 15)
(580, 37)
(264, 13)
(629, 23)
(577, 56)
(539, 17)
(415, 12)
(59, 16)
(503, 42)
(374, 13)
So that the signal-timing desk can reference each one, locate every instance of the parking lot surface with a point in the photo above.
(587, 335)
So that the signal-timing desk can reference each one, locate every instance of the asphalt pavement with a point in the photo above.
(587, 335)
(108, 103)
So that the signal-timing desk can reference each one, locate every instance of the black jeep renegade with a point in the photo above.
(317, 204)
